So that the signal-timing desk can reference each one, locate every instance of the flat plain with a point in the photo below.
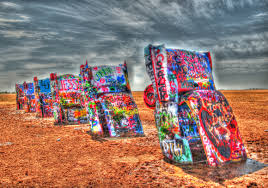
(34, 152)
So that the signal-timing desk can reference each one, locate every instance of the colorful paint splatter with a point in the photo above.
(43, 97)
(194, 121)
(67, 99)
(149, 98)
(111, 109)
(29, 97)
(217, 126)
(19, 96)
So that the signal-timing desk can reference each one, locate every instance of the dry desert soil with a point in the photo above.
(35, 153)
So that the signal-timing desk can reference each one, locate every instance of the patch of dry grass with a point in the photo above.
(7, 98)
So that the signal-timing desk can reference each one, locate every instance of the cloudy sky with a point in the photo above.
(42, 36)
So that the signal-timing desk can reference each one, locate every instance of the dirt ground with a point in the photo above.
(34, 152)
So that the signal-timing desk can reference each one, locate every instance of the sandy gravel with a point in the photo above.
(33, 152)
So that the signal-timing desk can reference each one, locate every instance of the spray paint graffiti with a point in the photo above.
(43, 97)
(29, 97)
(173, 145)
(159, 58)
(19, 96)
(191, 70)
(149, 98)
(174, 71)
(217, 126)
(111, 109)
(188, 109)
(67, 99)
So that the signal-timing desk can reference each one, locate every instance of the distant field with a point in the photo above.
(7, 99)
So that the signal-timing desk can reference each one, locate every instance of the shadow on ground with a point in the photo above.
(222, 173)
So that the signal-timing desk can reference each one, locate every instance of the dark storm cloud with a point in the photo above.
(39, 37)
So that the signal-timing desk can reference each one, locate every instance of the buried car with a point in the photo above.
(67, 99)
(29, 97)
(112, 111)
(19, 96)
(195, 123)
(43, 97)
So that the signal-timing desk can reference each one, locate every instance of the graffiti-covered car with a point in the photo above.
(43, 97)
(67, 99)
(29, 97)
(194, 121)
(112, 111)
(19, 96)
